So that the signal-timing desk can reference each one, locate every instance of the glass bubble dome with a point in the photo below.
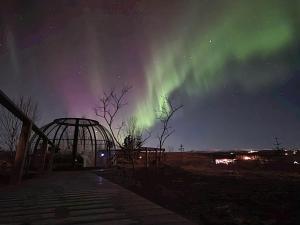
(78, 137)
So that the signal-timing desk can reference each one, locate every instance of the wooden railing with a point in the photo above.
(22, 145)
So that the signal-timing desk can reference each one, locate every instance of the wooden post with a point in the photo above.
(43, 155)
(17, 171)
(156, 158)
(75, 143)
(146, 158)
(160, 151)
(50, 161)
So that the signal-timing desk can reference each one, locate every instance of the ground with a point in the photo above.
(214, 195)
(78, 197)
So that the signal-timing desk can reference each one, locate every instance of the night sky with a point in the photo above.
(234, 65)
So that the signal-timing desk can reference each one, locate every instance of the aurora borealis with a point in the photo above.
(233, 64)
(194, 59)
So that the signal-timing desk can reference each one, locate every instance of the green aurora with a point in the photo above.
(193, 58)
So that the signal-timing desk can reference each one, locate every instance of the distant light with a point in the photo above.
(231, 153)
(102, 154)
(296, 163)
(286, 153)
(224, 161)
(247, 158)
(294, 152)
(140, 157)
(251, 151)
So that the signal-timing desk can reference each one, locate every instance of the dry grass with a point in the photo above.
(193, 186)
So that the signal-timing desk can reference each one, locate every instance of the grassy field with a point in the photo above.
(191, 185)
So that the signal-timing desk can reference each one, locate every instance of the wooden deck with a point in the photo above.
(81, 197)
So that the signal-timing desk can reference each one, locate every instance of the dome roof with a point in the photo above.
(76, 136)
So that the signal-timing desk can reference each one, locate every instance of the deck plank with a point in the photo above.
(79, 197)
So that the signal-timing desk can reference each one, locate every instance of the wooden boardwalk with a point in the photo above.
(65, 198)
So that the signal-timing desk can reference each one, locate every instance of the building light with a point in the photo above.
(296, 162)
(140, 157)
(286, 154)
(252, 151)
(247, 158)
(224, 161)
(102, 154)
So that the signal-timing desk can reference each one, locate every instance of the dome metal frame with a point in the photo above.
(66, 133)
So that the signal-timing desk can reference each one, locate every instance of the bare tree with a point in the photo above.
(278, 144)
(138, 134)
(164, 116)
(134, 139)
(108, 109)
(10, 125)
(127, 135)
